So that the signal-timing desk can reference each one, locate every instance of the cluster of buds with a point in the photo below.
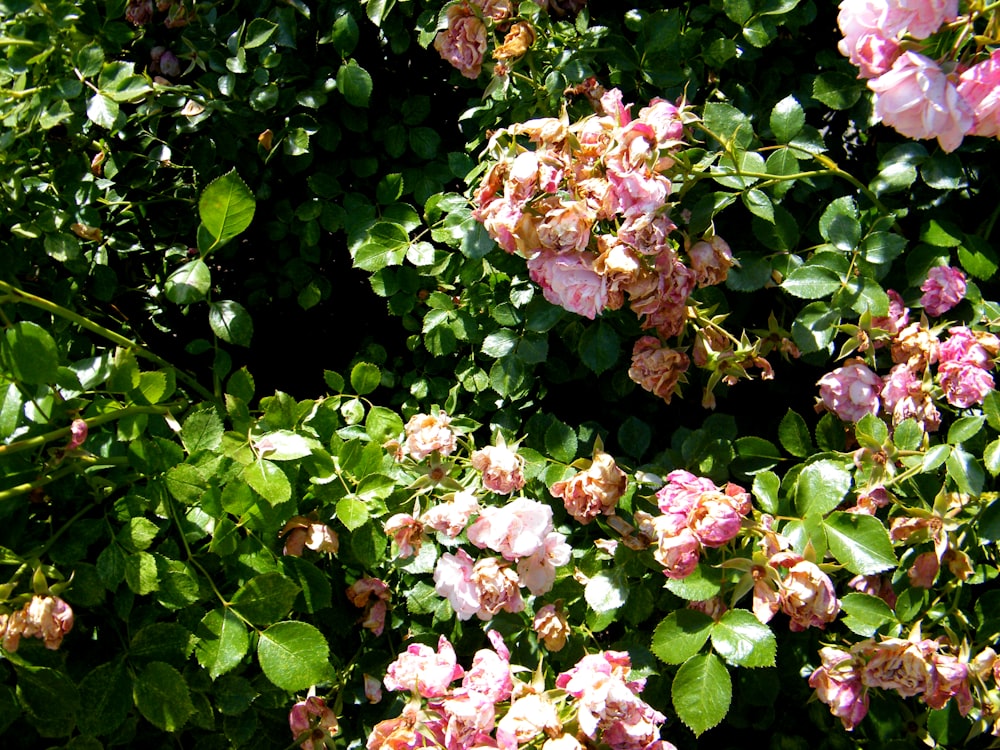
(947, 97)
(914, 667)
(48, 618)
(963, 362)
(489, 708)
(179, 12)
(588, 207)
(472, 27)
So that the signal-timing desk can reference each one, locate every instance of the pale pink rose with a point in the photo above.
(429, 433)
(808, 597)
(372, 595)
(406, 532)
(463, 43)
(470, 716)
(496, 10)
(498, 588)
(593, 669)
(920, 101)
(874, 55)
(48, 618)
(453, 580)
(528, 717)
(450, 518)
(895, 664)
(566, 229)
(851, 391)
(373, 688)
(592, 492)
(714, 520)
(711, 260)
(657, 368)
(647, 233)
(312, 722)
(637, 192)
(979, 86)
(665, 119)
(965, 347)
(522, 179)
(501, 219)
(677, 553)
(490, 673)
(569, 280)
(635, 149)
(301, 532)
(563, 741)
(904, 396)
(964, 385)
(922, 18)
(860, 18)
(515, 530)
(611, 103)
(552, 627)
(838, 684)
(537, 573)
(897, 319)
(943, 288)
(924, 570)
(502, 469)
(423, 671)
(682, 490)
(766, 601)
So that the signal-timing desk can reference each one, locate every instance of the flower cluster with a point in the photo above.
(963, 360)
(908, 667)
(489, 708)
(588, 208)
(922, 97)
(48, 618)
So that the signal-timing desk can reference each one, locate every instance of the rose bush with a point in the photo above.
(438, 471)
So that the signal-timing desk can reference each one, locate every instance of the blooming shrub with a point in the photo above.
(348, 361)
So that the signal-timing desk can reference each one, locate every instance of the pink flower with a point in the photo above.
(450, 518)
(407, 533)
(898, 317)
(470, 717)
(453, 580)
(851, 391)
(463, 43)
(312, 722)
(48, 618)
(566, 229)
(903, 394)
(682, 491)
(372, 595)
(637, 192)
(895, 664)
(874, 585)
(874, 55)
(593, 492)
(665, 119)
(516, 530)
(657, 368)
(943, 288)
(711, 260)
(528, 717)
(924, 570)
(838, 684)
(498, 588)
(808, 597)
(429, 433)
(951, 680)
(963, 346)
(303, 532)
(537, 573)
(490, 674)
(423, 671)
(552, 627)
(77, 435)
(714, 520)
(647, 233)
(569, 280)
(979, 86)
(920, 101)
(923, 17)
(677, 553)
(964, 385)
(502, 469)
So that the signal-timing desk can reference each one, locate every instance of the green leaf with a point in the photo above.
(138, 534)
(991, 457)
(965, 470)
(934, 457)
(500, 343)
(607, 591)
(681, 635)
(354, 83)
(865, 614)
(978, 258)
(793, 432)
(821, 486)
(561, 442)
(103, 111)
(837, 90)
(162, 696)
(202, 430)
(285, 445)
(702, 691)
(765, 488)
(268, 480)
(266, 598)
(230, 322)
(754, 454)
(814, 327)
(758, 204)
(161, 641)
(787, 119)
(107, 692)
(226, 207)
(812, 282)
(293, 655)
(385, 245)
(30, 354)
(345, 32)
(49, 695)
(365, 378)
(730, 124)
(186, 483)
(704, 583)
(860, 543)
(259, 32)
(599, 347)
(839, 224)
(223, 641)
(965, 428)
(353, 513)
(743, 640)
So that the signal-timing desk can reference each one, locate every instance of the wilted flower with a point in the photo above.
(502, 469)
(305, 532)
(406, 531)
(943, 288)
(463, 42)
(594, 491)
(424, 671)
(517, 41)
(838, 684)
(372, 595)
(851, 391)
(313, 723)
(552, 627)
(657, 368)
(498, 587)
(711, 260)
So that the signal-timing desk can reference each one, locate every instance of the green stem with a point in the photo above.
(26, 487)
(39, 440)
(87, 324)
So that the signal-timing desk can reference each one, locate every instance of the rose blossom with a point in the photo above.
(943, 288)
(714, 520)
(979, 86)
(920, 101)
(566, 229)
(551, 626)
(305, 532)
(450, 518)
(528, 717)
(924, 570)
(678, 553)
(851, 391)
(951, 680)
(421, 670)
(537, 573)
(593, 492)
(903, 394)
(657, 368)
(569, 280)
(808, 597)
(502, 469)
(490, 673)
(470, 718)
(372, 595)
(968, 347)
(838, 684)
(711, 260)
(964, 385)
(899, 665)
(453, 580)
(314, 721)
(463, 43)
(898, 317)
(429, 433)
(916, 346)
(516, 530)
(406, 531)
(48, 618)
(497, 588)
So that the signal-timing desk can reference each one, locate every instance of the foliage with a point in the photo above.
(280, 419)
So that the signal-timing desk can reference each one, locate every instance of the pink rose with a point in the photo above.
(903, 666)
(897, 319)
(714, 520)
(964, 385)
(874, 55)
(657, 368)
(808, 597)
(407, 533)
(312, 721)
(566, 229)
(851, 391)
(537, 573)
(515, 530)
(453, 580)
(490, 673)
(979, 86)
(372, 595)
(951, 680)
(920, 101)
(470, 718)
(450, 518)
(924, 570)
(904, 396)
(429, 433)
(647, 233)
(665, 119)
(838, 684)
(943, 288)
(593, 492)
(636, 192)
(677, 553)
(463, 43)
(502, 469)
(711, 260)
(423, 671)
(528, 717)
(569, 280)
(965, 347)
(923, 17)
(552, 627)
(498, 588)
